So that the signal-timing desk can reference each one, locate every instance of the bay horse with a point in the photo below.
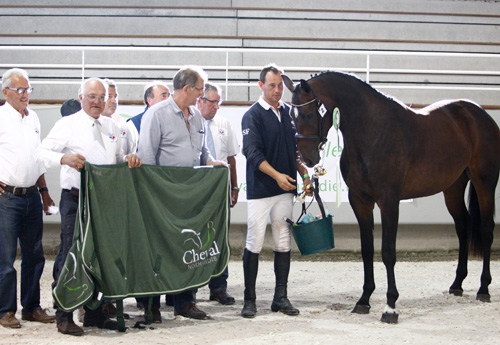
(391, 153)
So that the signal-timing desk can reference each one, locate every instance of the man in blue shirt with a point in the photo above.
(272, 163)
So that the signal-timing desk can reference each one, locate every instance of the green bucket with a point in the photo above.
(314, 237)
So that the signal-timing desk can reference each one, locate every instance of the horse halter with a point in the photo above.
(321, 111)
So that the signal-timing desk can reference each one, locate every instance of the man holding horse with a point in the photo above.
(272, 163)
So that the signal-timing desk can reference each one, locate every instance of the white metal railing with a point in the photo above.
(226, 67)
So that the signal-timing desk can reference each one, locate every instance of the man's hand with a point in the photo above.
(75, 161)
(308, 187)
(47, 201)
(234, 196)
(133, 161)
(217, 163)
(285, 182)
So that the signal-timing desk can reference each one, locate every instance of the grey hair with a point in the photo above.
(86, 81)
(110, 83)
(6, 77)
(188, 75)
(213, 87)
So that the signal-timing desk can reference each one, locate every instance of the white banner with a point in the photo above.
(332, 187)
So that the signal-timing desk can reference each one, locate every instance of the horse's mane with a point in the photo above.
(359, 82)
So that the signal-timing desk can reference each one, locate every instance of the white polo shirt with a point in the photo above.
(19, 138)
(74, 135)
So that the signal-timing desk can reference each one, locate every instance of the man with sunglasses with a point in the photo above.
(22, 182)
(223, 145)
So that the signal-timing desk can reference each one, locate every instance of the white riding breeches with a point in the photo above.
(275, 209)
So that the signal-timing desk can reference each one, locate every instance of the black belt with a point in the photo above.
(73, 191)
(20, 190)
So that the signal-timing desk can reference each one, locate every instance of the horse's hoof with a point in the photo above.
(483, 297)
(389, 318)
(361, 309)
(456, 292)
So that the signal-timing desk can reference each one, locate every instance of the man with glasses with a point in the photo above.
(223, 145)
(172, 135)
(22, 182)
(84, 136)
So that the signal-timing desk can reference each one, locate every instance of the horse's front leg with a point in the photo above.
(390, 216)
(364, 214)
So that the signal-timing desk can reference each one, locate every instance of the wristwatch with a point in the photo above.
(235, 188)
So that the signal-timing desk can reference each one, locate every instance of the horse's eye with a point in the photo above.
(309, 115)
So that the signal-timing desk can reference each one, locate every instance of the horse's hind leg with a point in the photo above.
(389, 210)
(454, 199)
(364, 214)
(481, 209)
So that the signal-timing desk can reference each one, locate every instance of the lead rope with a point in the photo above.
(338, 180)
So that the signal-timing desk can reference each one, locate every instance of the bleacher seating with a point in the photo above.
(434, 26)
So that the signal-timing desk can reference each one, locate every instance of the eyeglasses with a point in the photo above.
(213, 101)
(92, 97)
(20, 90)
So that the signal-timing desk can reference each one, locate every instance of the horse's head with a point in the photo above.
(308, 113)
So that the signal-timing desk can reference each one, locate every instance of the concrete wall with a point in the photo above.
(408, 25)
(319, 27)
(429, 210)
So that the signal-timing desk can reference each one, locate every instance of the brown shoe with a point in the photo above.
(39, 315)
(191, 311)
(69, 328)
(9, 320)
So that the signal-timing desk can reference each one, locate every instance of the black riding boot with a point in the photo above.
(250, 268)
(281, 270)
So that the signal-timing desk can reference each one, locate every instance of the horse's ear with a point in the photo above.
(288, 82)
(305, 86)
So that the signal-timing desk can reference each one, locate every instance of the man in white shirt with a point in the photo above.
(223, 146)
(21, 183)
(129, 143)
(84, 136)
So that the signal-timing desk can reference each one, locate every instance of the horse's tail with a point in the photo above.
(474, 233)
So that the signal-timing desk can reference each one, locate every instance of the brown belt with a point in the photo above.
(19, 190)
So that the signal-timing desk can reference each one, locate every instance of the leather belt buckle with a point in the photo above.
(19, 191)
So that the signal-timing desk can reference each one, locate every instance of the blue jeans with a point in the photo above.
(21, 217)
(68, 207)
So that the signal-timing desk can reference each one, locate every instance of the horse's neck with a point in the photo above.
(359, 122)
